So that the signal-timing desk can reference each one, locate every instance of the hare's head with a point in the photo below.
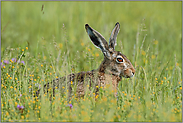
(114, 62)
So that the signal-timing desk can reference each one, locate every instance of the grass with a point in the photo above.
(52, 42)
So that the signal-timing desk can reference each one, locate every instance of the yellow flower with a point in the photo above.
(165, 78)
(177, 64)
(11, 87)
(153, 56)
(27, 116)
(161, 81)
(145, 60)
(22, 49)
(180, 88)
(156, 42)
(96, 96)
(7, 113)
(60, 45)
(41, 65)
(26, 48)
(143, 53)
(96, 54)
(82, 44)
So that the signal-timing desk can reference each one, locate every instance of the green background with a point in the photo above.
(57, 44)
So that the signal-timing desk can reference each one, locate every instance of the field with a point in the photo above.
(41, 41)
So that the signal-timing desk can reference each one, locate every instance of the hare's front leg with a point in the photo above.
(115, 82)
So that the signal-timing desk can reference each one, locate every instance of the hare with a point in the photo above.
(114, 66)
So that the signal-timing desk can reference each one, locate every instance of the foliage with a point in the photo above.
(41, 41)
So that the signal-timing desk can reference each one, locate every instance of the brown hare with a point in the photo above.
(114, 66)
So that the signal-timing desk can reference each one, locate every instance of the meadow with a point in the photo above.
(41, 41)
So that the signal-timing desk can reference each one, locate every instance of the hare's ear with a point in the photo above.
(114, 33)
(98, 40)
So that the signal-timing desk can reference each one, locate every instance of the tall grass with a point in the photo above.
(52, 42)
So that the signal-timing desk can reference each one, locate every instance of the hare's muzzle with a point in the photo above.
(128, 73)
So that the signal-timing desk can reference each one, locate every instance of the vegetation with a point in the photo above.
(41, 41)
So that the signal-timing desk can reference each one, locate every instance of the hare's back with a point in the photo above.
(81, 82)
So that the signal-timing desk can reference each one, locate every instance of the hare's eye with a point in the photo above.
(119, 59)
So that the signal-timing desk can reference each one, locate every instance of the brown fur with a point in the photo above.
(109, 72)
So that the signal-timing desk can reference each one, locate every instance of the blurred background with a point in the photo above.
(50, 40)
(38, 24)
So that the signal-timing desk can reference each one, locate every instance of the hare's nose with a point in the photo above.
(133, 72)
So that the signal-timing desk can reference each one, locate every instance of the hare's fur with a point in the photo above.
(114, 66)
